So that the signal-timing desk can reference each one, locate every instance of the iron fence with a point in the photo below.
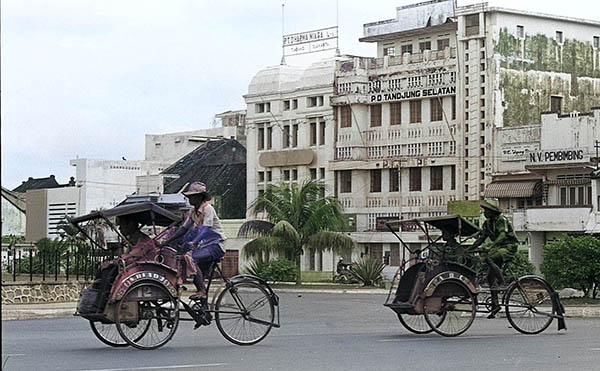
(58, 263)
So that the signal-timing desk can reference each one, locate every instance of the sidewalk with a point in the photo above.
(66, 309)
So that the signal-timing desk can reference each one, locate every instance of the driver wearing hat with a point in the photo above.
(500, 250)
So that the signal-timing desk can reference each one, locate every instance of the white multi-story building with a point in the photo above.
(417, 125)
(290, 132)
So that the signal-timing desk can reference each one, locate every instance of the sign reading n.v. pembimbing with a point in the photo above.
(310, 41)
(557, 156)
(412, 94)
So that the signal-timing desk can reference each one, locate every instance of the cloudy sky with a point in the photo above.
(89, 78)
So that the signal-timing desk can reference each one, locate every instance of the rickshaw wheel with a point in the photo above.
(108, 334)
(528, 306)
(156, 316)
(244, 313)
(458, 305)
(417, 323)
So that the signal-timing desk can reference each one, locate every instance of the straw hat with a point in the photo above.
(194, 189)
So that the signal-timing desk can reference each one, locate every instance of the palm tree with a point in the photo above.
(298, 218)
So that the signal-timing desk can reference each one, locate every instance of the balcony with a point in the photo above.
(552, 218)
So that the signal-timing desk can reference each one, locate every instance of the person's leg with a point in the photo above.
(203, 258)
(492, 279)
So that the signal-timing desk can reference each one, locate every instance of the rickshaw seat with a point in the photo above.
(407, 282)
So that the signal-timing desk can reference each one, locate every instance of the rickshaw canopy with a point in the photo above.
(452, 223)
(146, 213)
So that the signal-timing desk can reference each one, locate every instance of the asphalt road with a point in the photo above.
(319, 332)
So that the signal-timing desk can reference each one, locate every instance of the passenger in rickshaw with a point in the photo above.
(499, 251)
(141, 242)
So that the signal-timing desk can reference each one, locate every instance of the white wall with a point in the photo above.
(13, 219)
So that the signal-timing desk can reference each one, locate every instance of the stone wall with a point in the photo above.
(40, 292)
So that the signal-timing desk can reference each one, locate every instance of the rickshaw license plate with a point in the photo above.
(146, 292)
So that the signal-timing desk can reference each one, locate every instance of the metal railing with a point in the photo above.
(53, 264)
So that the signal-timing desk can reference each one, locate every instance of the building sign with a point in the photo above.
(557, 156)
(517, 152)
(412, 94)
(310, 41)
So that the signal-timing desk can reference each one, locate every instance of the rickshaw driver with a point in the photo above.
(501, 249)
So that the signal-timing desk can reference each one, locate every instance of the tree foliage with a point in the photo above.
(302, 219)
(573, 262)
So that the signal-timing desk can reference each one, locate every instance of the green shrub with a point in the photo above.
(368, 271)
(280, 271)
(573, 262)
(520, 266)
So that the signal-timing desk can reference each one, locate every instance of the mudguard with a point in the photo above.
(249, 277)
(143, 272)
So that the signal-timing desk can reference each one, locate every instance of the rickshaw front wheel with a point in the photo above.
(529, 307)
(147, 316)
(458, 305)
(417, 324)
(108, 334)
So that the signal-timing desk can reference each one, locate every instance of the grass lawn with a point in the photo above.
(580, 301)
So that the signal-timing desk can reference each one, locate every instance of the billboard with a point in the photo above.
(310, 41)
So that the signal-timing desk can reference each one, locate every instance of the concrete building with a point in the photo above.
(13, 213)
(105, 183)
(416, 126)
(290, 130)
(544, 181)
(171, 147)
(47, 208)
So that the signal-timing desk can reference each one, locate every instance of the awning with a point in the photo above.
(521, 189)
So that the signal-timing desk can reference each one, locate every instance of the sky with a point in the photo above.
(88, 78)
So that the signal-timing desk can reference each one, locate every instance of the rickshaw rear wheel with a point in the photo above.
(529, 307)
(417, 324)
(244, 313)
(155, 316)
(108, 334)
(458, 305)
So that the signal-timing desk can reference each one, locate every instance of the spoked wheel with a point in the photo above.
(244, 313)
(147, 316)
(456, 303)
(108, 334)
(529, 306)
(418, 324)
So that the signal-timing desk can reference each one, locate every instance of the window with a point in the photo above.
(436, 178)
(286, 105)
(482, 139)
(467, 68)
(406, 48)
(261, 138)
(394, 181)
(452, 176)
(262, 107)
(314, 101)
(414, 176)
(454, 107)
(269, 137)
(375, 115)
(294, 103)
(345, 181)
(261, 176)
(482, 102)
(313, 134)
(294, 174)
(269, 175)
(346, 116)
(389, 50)
(482, 55)
(596, 42)
(563, 195)
(286, 136)
(436, 109)
(395, 113)
(375, 180)
(482, 78)
(443, 44)
(520, 32)
(555, 104)
(559, 37)
(313, 173)
(322, 133)
(482, 114)
(472, 24)
(321, 173)
(415, 111)
(482, 67)
(286, 175)
(425, 45)
(295, 135)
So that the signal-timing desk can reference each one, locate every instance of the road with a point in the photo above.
(319, 332)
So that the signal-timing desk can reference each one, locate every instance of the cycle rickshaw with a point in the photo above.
(436, 289)
(136, 299)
